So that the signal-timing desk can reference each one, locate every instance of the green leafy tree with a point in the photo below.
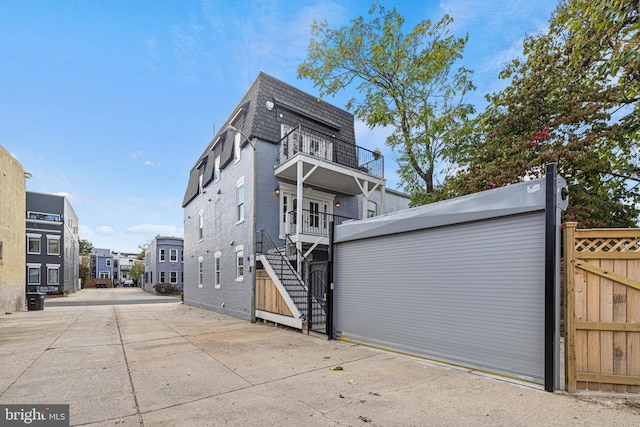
(573, 100)
(407, 82)
(136, 272)
(86, 247)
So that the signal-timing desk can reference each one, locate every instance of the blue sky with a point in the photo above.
(110, 102)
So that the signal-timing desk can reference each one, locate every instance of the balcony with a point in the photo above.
(328, 162)
(314, 225)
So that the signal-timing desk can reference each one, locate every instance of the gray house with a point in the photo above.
(282, 169)
(52, 244)
(163, 262)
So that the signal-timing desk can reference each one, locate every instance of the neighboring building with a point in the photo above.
(122, 263)
(52, 244)
(12, 232)
(309, 173)
(163, 262)
(101, 264)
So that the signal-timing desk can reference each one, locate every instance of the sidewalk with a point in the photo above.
(169, 364)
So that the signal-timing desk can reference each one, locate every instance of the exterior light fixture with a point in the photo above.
(276, 191)
(337, 205)
(270, 105)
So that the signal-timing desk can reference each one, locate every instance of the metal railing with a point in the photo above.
(266, 246)
(302, 139)
(314, 223)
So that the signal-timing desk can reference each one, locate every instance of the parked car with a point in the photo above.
(128, 283)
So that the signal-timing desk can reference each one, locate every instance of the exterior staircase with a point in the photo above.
(289, 278)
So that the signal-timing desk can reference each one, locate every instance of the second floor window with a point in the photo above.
(240, 200)
(173, 255)
(53, 245)
(161, 255)
(201, 225)
(33, 245)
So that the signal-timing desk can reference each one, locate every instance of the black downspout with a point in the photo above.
(549, 276)
(330, 284)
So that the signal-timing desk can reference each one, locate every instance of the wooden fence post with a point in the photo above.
(569, 306)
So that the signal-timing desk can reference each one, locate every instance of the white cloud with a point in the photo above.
(85, 232)
(135, 154)
(105, 230)
(148, 163)
(72, 198)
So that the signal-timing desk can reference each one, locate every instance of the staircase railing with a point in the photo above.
(280, 261)
(266, 246)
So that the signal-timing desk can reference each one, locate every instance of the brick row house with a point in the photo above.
(282, 169)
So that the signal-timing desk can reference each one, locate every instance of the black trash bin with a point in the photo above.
(35, 301)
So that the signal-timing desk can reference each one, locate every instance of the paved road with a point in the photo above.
(109, 296)
(168, 364)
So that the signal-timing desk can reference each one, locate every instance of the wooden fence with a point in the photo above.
(267, 296)
(602, 309)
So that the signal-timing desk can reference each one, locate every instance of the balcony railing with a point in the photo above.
(313, 223)
(317, 144)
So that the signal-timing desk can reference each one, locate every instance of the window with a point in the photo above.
(34, 274)
(372, 210)
(200, 275)
(161, 255)
(237, 148)
(201, 225)
(162, 274)
(239, 263)
(53, 245)
(33, 244)
(43, 216)
(108, 262)
(53, 274)
(173, 255)
(216, 169)
(0, 252)
(240, 200)
(217, 267)
(173, 277)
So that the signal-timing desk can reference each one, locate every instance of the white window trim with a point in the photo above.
(240, 255)
(37, 267)
(240, 183)
(162, 256)
(173, 255)
(163, 276)
(307, 193)
(217, 173)
(217, 269)
(34, 236)
(237, 146)
(172, 280)
(53, 267)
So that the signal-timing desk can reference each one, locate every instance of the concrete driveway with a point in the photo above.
(124, 357)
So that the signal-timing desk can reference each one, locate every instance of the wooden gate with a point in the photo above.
(602, 309)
